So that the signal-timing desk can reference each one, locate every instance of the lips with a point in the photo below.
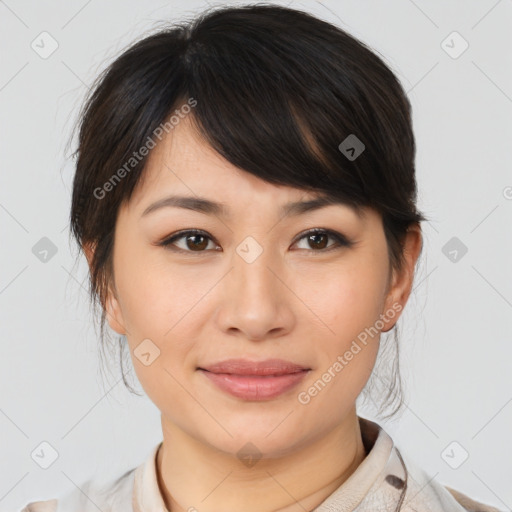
(245, 367)
(255, 380)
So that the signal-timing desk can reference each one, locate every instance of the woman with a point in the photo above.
(245, 196)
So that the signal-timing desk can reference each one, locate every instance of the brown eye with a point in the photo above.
(195, 241)
(317, 240)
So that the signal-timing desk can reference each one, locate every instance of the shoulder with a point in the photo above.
(403, 484)
(91, 496)
(469, 504)
(424, 492)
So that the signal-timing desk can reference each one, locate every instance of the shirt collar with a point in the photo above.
(147, 496)
(380, 459)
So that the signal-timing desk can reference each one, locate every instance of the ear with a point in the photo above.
(111, 306)
(401, 281)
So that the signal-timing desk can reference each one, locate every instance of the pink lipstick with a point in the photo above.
(255, 380)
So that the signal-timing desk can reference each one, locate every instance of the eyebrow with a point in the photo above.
(209, 207)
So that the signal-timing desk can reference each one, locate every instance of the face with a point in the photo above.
(251, 284)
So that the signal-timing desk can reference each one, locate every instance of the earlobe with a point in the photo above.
(114, 315)
(393, 307)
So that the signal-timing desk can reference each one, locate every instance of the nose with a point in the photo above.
(255, 302)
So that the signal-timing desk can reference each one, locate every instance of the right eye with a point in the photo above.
(195, 241)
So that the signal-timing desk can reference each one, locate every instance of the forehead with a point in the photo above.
(184, 170)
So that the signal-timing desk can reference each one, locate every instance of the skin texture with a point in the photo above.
(295, 301)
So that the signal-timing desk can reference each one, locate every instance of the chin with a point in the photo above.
(259, 434)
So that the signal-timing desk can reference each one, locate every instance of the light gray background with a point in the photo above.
(456, 341)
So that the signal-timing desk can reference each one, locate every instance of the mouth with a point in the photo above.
(255, 381)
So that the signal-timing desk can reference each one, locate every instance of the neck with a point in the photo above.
(195, 476)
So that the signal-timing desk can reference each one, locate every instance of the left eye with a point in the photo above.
(197, 241)
(318, 238)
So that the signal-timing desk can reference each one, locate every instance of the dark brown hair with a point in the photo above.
(277, 92)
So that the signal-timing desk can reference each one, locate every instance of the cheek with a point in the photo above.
(154, 294)
(156, 306)
(346, 298)
(351, 314)
(345, 361)
(347, 303)
(158, 315)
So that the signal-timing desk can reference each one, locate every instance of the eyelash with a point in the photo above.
(340, 240)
